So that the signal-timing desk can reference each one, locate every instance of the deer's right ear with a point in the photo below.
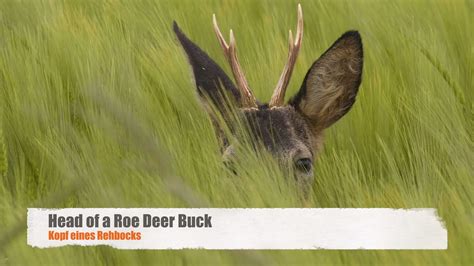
(211, 81)
(331, 84)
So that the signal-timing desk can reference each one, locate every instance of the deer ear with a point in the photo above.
(211, 81)
(331, 84)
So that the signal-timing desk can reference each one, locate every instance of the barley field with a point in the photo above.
(98, 109)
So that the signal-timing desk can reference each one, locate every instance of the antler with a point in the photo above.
(248, 100)
(294, 47)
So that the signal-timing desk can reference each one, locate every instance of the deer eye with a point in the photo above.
(304, 164)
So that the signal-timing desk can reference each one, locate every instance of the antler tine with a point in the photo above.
(294, 47)
(248, 100)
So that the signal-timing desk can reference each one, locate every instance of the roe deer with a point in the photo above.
(292, 133)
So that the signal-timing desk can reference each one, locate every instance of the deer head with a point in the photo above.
(291, 132)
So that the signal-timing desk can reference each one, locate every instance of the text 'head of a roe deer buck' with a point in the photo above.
(292, 133)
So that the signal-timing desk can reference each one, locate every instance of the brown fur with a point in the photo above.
(292, 133)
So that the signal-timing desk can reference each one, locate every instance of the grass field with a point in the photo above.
(98, 110)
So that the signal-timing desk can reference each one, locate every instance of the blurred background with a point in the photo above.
(98, 109)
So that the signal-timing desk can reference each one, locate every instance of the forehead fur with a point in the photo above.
(279, 129)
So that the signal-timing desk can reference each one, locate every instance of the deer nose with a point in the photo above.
(304, 164)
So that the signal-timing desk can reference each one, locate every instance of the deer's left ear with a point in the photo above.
(331, 84)
(211, 81)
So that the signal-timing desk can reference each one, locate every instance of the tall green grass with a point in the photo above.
(98, 110)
